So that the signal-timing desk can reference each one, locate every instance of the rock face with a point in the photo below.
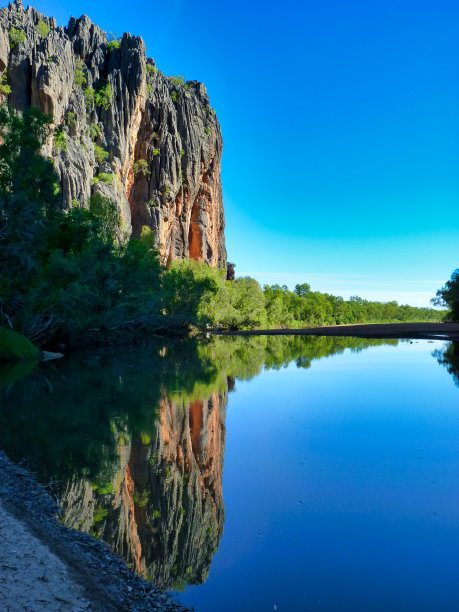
(120, 129)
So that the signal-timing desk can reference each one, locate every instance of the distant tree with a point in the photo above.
(449, 296)
(303, 289)
(358, 300)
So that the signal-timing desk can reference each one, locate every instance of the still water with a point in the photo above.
(266, 473)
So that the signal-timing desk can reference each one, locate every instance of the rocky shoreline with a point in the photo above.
(59, 559)
(418, 331)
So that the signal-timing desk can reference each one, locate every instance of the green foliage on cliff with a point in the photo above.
(100, 154)
(60, 142)
(177, 80)
(42, 29)
(89, 95)
(5, 89)
(449, 296)
(113, 44)
(141, 167)
(103, 97)
(80, 78)
(16, 37)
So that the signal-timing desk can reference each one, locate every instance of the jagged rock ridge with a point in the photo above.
(121, 128)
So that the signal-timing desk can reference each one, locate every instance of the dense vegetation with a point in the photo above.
(243, 304)
(75, 276)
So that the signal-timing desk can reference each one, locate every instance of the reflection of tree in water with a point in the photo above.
(449, 357)
(135, 441)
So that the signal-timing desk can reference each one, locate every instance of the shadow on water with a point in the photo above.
(132, 442)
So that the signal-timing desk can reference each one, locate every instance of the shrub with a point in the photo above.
(177, 80)
(207, 131)
(100, 154)
(94, 131)
(106, 177)
(149, 88)
(16, 37)
(174, 97)
(151, 70)
(89, 95)
(182, 153)
(141, 166)
(60, 141)
(42, 28)
(113, 44)
(103, 97)
(80, 79)
(5, 89)
(155, 152)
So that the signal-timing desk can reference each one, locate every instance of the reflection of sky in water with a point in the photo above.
(341, 487)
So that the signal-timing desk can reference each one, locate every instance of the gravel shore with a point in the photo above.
(46, 566)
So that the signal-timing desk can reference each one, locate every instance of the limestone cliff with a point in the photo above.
(120, 128)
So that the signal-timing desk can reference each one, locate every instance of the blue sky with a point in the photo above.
(341, 128)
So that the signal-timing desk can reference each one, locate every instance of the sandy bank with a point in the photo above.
(430, 331)
(46, 566)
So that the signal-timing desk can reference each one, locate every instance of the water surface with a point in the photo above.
(264, 473)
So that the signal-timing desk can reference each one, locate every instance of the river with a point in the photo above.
(267, 473)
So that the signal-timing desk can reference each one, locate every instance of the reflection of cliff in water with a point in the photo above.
(163, 508)
(132, 444)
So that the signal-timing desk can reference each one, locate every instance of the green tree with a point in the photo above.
(302, 290)
(29, 202)
(448, 296)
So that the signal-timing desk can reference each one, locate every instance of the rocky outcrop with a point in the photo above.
(121, 129)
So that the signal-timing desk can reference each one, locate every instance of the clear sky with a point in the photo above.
(340, 121)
